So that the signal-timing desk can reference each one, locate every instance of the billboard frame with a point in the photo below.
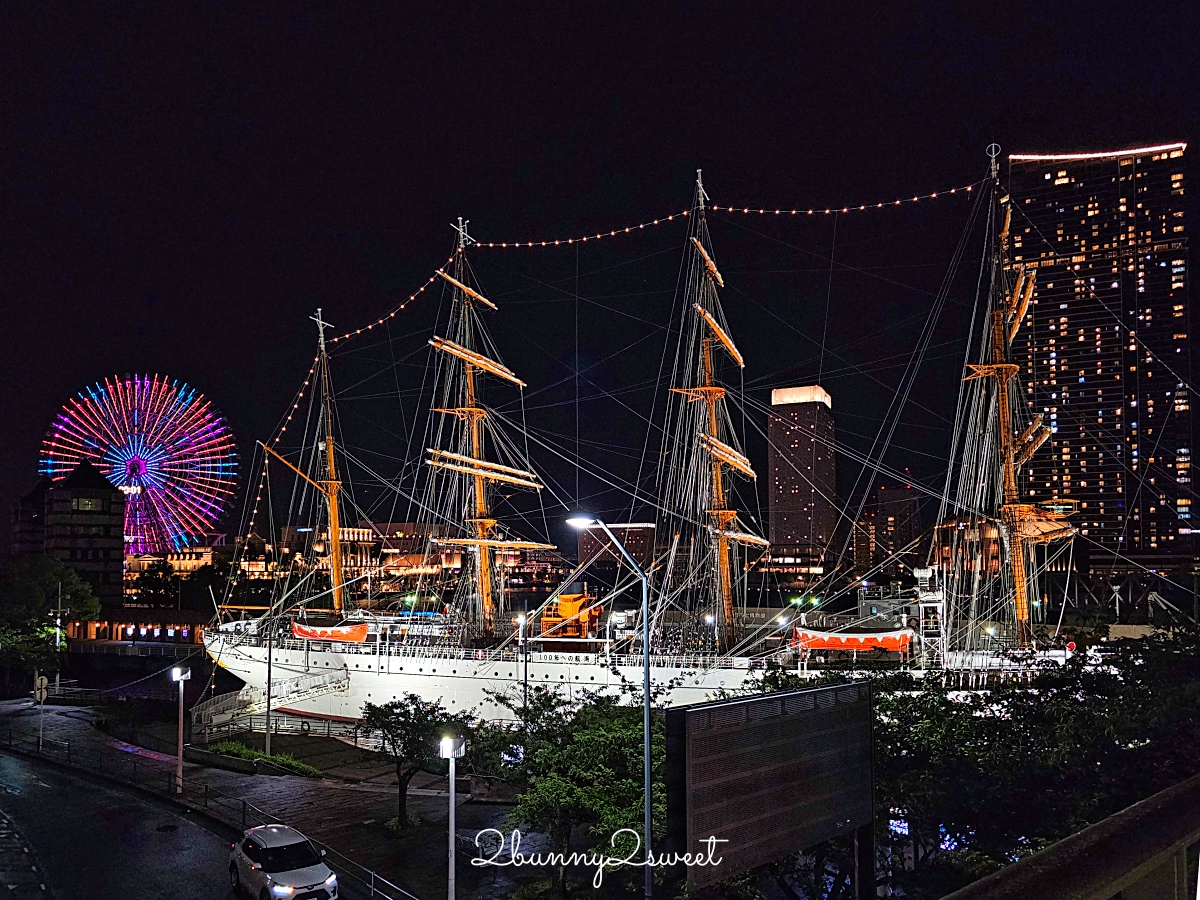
(699, 735)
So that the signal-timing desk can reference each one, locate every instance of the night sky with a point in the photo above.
(183, 184)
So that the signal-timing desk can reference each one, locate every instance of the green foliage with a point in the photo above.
(411, 730)
(984, 778)
(28, 594)
(981, 778)
(394, 828)
(577, 764)
(252, 591)
(282, 760)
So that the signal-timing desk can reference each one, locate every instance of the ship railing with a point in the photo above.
(687, 661)
(221, 705)
(297, 690)
(382, 648)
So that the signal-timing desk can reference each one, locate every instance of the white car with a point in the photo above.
(275, 862)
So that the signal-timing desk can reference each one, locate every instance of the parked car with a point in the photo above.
(275, 862)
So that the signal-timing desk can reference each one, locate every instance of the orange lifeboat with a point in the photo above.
(896, 641)
(353, 634)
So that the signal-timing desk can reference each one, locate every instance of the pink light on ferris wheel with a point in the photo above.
(161, 442)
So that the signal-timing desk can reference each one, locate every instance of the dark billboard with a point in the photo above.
(767, 775)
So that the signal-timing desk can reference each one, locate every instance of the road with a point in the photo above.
(65, 836)
(87, 839)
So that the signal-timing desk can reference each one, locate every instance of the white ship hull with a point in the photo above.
(463, 679)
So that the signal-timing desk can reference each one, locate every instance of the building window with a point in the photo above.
(87, 504)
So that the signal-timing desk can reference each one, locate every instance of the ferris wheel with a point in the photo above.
(162, 443)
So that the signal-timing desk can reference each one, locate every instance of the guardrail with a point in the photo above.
(1149, 849)
(118, 649)
(73, 694)
(285, 724)
(158, 777)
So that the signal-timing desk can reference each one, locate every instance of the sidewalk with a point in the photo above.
(346, 817)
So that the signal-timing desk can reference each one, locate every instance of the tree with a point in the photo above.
(968, 781)
(204, 584)
(156, 585)
(582, 765)
(411, 730)
(28, 595)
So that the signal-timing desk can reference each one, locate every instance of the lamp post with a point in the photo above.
(180, 674)
(581, 521)
(524, 662)
(270, 654)
(451, 749)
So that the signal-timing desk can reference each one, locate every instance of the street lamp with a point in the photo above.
(180, 674)
(524, 663)
(582, 521)
(451, 748)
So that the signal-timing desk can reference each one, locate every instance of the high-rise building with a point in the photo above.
(898, 514)
(1104, 349)
(803, 489)
(887, 532)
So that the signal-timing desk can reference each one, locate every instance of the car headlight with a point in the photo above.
(331, 881)
(282, 890)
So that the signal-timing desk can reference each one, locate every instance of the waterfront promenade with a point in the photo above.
(345, 817)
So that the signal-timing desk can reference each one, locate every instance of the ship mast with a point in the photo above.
(721, 454)
(1025, 523)
(482, 539)
(330, 486)
(333, 484)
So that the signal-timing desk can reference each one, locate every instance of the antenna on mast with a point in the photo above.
(464, 239)
(993, 152)
(321, 326)
(701, 196)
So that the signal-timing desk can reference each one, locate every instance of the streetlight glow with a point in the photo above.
(451, 748)
(581, 520)
(180, 674)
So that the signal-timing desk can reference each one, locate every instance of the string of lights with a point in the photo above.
(583, 239)
(570, 242)
(389, 315)
(746, 210)
(853, 207)
(652, 223)
(280, 430)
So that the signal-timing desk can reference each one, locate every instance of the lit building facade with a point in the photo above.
(803, 489)
(889, 528)
(79, 519)
(1104, 350)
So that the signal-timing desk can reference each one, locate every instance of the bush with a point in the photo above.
(393, 827)
(282, 760)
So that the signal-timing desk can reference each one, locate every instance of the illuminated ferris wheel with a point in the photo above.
(162, 443)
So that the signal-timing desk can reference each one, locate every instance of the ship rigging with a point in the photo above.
(449, 632)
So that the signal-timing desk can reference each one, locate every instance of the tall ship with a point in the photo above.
(324, 646)
(324, 640)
